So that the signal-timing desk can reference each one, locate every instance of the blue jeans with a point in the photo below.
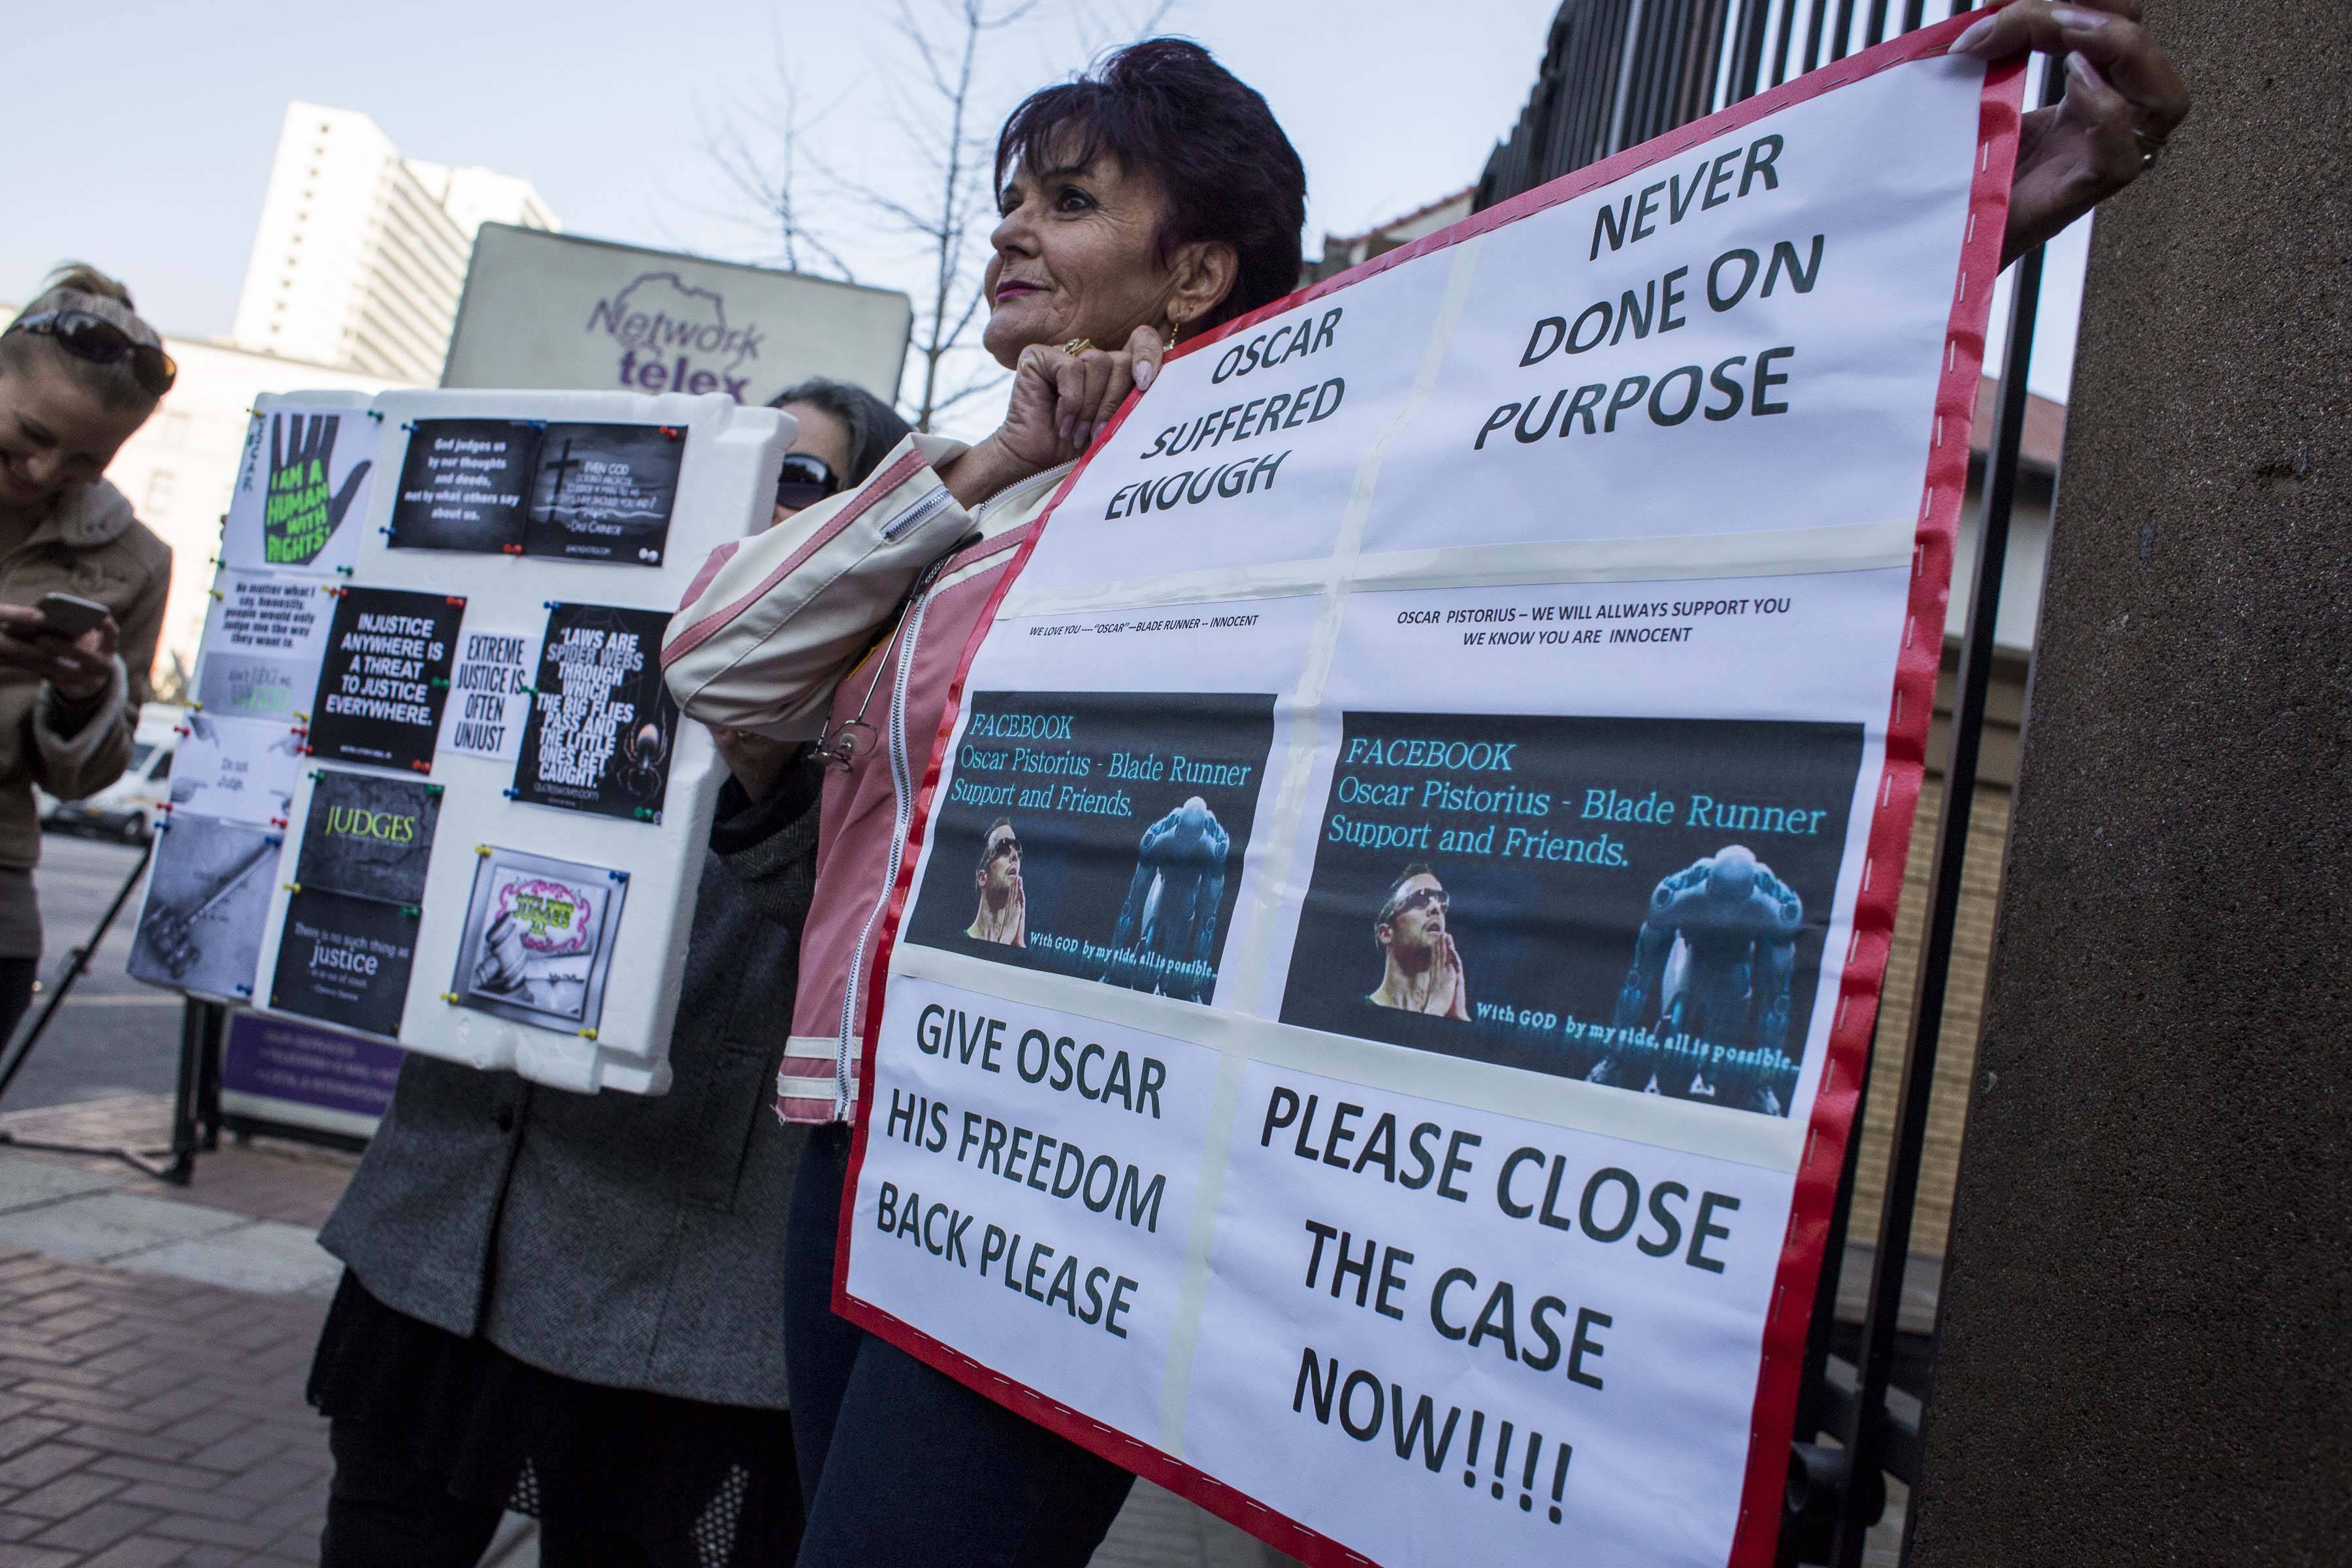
(900, 1463)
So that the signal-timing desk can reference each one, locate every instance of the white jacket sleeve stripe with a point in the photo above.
(868, 495)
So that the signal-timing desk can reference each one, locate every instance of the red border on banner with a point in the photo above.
(1756, 1536)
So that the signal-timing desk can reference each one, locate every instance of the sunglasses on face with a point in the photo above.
(1002, 848)
(1419, 898)
(805, 480)
(88, 336)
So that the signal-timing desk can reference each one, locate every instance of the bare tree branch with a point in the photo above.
(944, 121)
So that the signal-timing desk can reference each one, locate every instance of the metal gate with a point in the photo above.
(1615, 74)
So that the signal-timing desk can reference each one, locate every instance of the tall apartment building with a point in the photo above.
(360, 255)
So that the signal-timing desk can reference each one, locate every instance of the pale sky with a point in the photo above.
(154, 169)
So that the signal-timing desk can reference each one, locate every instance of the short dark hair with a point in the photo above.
(1165, 108)
(988, 833)
(1387, 903)
(874, 429)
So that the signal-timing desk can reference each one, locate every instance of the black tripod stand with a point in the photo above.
(199, 1028)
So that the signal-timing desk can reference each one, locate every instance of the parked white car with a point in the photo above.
(127, 808)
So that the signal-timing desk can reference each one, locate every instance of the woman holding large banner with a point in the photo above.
(1143, 204)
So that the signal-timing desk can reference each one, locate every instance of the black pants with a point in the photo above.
(17, 977)
(383, 1511)
(901, 1464)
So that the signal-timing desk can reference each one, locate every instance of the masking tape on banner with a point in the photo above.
(1691, 1127)
(1290, 803)
(1755, 552)
(1193, 1290)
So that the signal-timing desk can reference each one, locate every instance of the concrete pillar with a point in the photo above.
(2146, 1336)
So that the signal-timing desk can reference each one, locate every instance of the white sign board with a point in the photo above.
(549, 310)
(435, 792)
(1396, 1095)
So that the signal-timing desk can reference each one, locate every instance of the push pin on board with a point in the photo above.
(587, 1034)
(450, 997)
(481, 849)
(617, 876)
(509, 549)
(670, 430)
(242, 989)
(347, 571)
(376, 415)
(422, 767)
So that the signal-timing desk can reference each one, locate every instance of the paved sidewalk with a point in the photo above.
(154, 1343)
(147, 1420)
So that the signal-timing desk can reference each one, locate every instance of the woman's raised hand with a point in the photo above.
(1061, 400)
(2123, 99)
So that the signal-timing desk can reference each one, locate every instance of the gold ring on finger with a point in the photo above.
(1077, 345)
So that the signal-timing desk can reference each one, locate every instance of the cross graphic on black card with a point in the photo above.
(559, 468)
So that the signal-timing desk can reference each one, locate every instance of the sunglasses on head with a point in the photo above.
(88, 336)
(1419, 898)
(805, 480)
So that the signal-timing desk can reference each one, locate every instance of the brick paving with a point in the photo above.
(149, 1419)
(146, 1420)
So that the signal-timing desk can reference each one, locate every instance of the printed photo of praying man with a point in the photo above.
(1003, 915)
(1640, 904)
(1421, 968)
(1097, 835)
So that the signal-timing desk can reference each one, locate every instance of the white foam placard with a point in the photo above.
(724, 489)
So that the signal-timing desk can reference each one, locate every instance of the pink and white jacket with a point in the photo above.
(799, 632)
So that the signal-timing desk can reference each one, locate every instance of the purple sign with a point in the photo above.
(307, 1076)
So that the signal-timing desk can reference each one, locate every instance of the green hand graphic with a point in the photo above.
(301, 514)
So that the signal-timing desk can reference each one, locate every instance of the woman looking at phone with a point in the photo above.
(80, 372)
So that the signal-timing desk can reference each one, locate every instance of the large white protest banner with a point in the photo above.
(1378, 987)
